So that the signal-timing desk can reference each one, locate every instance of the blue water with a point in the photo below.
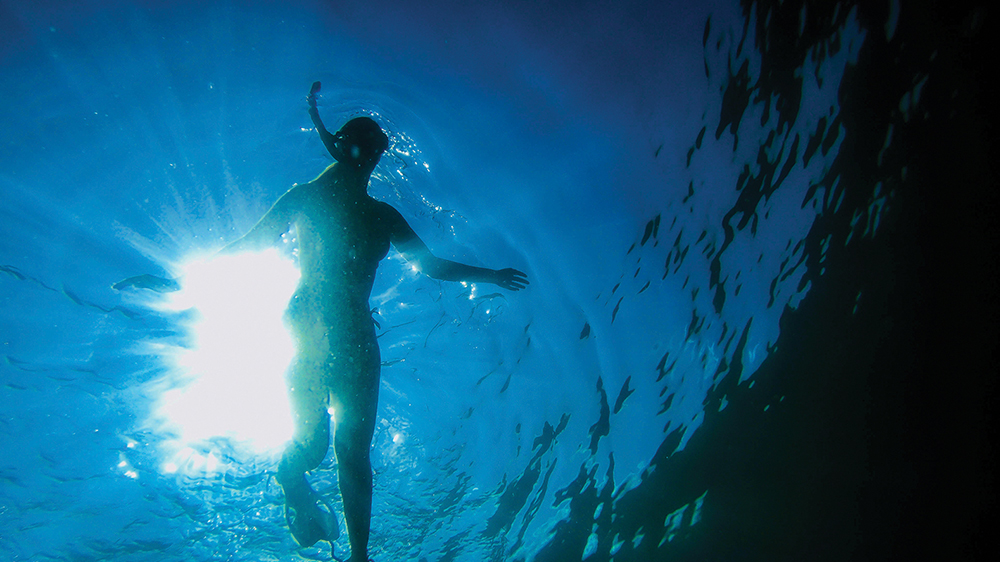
(592, 145)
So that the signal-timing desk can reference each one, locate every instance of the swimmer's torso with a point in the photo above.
(341, 240)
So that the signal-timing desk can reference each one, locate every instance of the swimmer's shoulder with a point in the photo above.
(327, 176)
(387, 212)
(299, 197)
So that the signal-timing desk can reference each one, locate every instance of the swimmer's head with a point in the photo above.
(360, 143)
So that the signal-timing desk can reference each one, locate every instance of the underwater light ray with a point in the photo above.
(228, 381)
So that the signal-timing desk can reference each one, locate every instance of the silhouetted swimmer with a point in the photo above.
(343, 234)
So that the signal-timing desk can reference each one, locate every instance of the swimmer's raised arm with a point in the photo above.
(328, 138)
(414, 251)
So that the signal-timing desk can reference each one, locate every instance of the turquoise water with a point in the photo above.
(641, 162)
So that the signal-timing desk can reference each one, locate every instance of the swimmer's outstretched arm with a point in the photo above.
(328, 138)
(264, 234)
(268, 230)
(416, 252)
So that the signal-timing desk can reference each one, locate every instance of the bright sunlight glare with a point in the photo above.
(231, 371)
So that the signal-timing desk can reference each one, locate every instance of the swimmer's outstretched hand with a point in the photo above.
(151, 282)
(311, 98)
(511, 279)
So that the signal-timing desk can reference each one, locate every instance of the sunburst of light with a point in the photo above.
(227, 379)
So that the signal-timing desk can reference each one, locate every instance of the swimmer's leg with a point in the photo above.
(307, 450)
(355, 426)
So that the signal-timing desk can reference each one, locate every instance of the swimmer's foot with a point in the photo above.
(328, 520)
(308, 523)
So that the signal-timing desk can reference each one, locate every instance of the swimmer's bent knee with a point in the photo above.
(312, 441)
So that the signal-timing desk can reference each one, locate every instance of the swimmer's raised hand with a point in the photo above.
(311, 98)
